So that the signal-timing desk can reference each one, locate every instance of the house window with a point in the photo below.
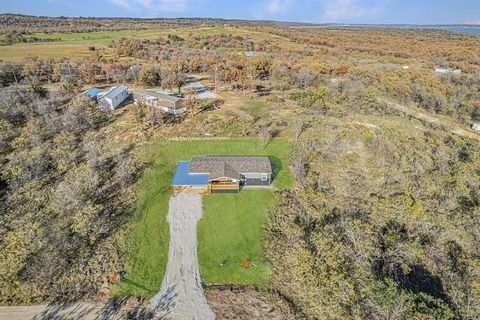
(264, 177)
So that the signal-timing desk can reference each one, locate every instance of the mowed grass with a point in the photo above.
(230, 233)
(236, 220)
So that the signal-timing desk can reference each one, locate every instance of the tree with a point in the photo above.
(264, 133)
(150, 77)
(258, 66)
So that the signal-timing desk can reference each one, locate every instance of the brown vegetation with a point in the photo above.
(383, 222)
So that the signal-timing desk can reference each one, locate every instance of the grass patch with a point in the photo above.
(231, 232)
(147, 235)
(75, 44)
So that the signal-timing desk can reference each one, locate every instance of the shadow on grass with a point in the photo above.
(277, 166)
(133, 283)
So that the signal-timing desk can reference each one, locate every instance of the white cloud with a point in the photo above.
(154, 6)
(278, 6)
(342, 10)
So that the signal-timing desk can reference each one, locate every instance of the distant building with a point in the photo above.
(447, 70)
(249, 53)
(161, 99)
(476, 126)
(112, 98)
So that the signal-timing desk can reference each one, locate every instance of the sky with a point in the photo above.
(317, 11)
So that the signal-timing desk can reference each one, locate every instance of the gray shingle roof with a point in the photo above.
(230, 167)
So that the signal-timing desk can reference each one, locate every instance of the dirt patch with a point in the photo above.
(246, 303)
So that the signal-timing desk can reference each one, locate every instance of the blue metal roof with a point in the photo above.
(183, 177)
(93, 92)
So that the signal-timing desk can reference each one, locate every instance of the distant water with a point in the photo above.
(472, 30)
(452, 28)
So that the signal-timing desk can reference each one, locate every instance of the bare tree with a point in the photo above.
(243, 117)
(264, 133)
(299, 126)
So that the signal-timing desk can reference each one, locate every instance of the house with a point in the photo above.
(476, 126)
(222, 174)
(157, 98)
(447, 70)
(110, 99)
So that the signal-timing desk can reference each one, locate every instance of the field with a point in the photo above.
(238, 239)
(76, 45)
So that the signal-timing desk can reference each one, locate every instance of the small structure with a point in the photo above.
(111, 99)
(249, 53)
(92, 93)
(476, 126)
(222, 174)
(440, 69)
(161, 99)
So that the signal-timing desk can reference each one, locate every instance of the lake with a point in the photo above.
(471, 30)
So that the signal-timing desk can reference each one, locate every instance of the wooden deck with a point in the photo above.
(223, 187)
(212, 187)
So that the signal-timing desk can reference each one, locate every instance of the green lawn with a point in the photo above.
(230, 232)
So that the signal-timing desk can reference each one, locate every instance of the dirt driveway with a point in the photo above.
(437, 120)
(181, 295)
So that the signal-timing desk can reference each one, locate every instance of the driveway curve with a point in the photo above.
(181, 295)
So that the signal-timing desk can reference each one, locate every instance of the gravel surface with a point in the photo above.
(181, 295)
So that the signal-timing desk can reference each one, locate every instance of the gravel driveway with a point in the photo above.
(181, 296)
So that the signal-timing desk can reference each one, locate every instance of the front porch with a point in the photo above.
(223, 186)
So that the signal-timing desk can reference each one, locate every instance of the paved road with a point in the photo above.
(181, 296)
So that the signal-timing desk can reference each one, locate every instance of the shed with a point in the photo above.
(476, 126)
(112, 98)
(441, 69)
(93, 92)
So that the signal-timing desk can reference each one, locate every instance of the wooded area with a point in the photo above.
(383, 222)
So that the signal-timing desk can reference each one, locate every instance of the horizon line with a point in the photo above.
(246, 20)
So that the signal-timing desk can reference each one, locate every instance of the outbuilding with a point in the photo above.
(476, 126)
(441, 69)
(112, 98)
(223, 174)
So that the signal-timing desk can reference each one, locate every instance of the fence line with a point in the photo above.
(198, 138)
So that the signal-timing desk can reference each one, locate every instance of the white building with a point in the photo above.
(447, 70)
(476, 126)
(110, 99)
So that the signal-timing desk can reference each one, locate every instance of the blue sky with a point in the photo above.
(346, 11)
